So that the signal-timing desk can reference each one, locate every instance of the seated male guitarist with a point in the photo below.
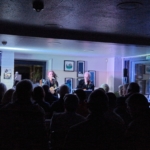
(52, 82)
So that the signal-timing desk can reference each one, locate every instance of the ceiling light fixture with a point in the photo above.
(129, 5)
(38, 5)
(4, 42)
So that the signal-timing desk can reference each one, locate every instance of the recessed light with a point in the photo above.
(129, 5)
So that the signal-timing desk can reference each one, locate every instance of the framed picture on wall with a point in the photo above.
(80, 68)
(92, 76)
(147, 69)
(69, 83)
(7, 74)
(69, 65)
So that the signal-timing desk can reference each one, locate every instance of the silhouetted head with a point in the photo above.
(112, 99)
(81, 95)
(46, 88)
(71, 102)
(24, 90)
(102, 89)
(137, 104)
(38, 93)
(63, 90)
(105, 87)
(3, 89)
(133, 87)
(98, 102)
(8, 96)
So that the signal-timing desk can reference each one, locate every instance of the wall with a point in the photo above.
(108, 70)
(56, 63)
(7, 62)
(114, 73)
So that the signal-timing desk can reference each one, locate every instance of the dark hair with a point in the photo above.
(98, 102)
(112, 99)
(63, 90)
(81, 95)
(54, 74)
(46, 88)
(71, 102)
(38, 93)
(133, 87)
(8, 96)
(137, 100)
(3, 89)
(24, 89)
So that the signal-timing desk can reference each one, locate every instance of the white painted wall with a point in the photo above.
(56, 63)
(114, 73)
(7, 62)
(108, 70)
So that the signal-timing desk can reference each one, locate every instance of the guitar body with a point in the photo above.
(52, 90)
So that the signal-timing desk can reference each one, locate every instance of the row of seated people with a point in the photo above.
(100, 122)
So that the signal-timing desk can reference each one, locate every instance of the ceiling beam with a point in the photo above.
(45, 32)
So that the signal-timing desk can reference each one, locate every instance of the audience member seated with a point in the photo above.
(22, 122)
(3, 89)
(96, 133)
(62, 121)
(138, 132)
(7, 98)
(121, 110)
(82, 108)
(105, 87)
(132, 88)
(49, 97)
(38, 96)
(58, 106)
(110, 114)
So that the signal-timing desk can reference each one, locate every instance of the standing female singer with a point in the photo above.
(85, 83)
(52, 81)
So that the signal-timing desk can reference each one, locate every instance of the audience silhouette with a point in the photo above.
(97, 132)
(22, 122)
(62, 121)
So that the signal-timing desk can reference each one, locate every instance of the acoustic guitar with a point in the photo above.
(53, 90)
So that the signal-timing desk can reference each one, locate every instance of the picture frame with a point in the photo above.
(80, 68)
(69, 83)
(147, 69)
(7, 74)
(69, 65)
(92, 76)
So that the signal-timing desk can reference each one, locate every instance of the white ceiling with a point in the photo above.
(24, 44)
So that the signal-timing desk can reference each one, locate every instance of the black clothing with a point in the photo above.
(23, 126)
(44, 105)
(96, 133)
(88, 86)
(54, 84)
